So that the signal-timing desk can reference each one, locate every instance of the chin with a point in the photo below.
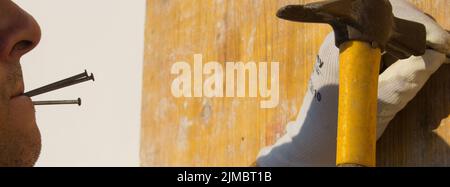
(20, 138)
(19, 148)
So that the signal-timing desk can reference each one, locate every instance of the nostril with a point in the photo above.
(23, 45)
(21, 48)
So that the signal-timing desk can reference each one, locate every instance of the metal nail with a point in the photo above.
(59, 102)
(83, 77)
(55, 84)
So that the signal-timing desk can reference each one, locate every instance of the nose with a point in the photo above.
(19, 32)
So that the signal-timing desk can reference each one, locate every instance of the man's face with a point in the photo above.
(20, 142)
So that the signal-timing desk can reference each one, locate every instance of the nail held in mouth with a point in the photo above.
(76, 79)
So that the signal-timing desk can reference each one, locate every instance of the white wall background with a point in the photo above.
(106, 38)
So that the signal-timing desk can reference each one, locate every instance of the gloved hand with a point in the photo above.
(437, 37)
(311, 139)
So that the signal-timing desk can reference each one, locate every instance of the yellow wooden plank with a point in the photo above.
(231, 131)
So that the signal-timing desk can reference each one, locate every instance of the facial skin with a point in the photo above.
(20, 140)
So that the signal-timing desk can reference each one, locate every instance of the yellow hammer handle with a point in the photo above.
(357, 115)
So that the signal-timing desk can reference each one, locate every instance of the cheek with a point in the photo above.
(3, 77)
(10, 78)
(4, 99)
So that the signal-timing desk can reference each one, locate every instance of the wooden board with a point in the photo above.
(231, 131)
(420, 134)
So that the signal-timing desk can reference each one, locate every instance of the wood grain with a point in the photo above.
(420, 134)
(231, 131)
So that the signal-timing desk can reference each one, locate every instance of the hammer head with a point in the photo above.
(365, 20)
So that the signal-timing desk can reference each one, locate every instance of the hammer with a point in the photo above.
(366, 32)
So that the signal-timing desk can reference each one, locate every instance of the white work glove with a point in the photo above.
(311, 139)
(437, 37)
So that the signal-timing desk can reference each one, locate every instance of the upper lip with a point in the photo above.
(18, 89)
(17, 93)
